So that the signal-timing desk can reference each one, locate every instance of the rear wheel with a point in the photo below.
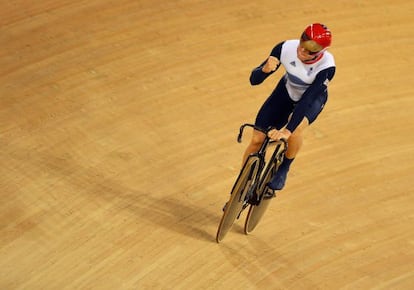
(237, 199)
(256, 212)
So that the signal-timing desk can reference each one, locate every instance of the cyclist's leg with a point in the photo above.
(254, 145)
(274, 112)
(296, 139)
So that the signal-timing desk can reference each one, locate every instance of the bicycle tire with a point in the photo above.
(257, 211)
(234, 206)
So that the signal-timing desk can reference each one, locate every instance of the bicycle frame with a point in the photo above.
(250, 185)
(261, 155)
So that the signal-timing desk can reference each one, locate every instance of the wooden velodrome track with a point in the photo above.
(118, 144)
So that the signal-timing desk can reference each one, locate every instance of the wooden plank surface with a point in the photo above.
(118, 122)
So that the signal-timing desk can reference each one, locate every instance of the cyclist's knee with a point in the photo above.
(257, 139)
(296, 134)
(301, 128)
(253, 147)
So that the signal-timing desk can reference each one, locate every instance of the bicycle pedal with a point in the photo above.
(269, 194)
(255, 200)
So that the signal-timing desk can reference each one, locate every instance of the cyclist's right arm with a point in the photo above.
(269, 66)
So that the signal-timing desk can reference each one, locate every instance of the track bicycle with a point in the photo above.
(250, 189)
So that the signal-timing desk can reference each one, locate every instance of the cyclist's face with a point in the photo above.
(305, 54)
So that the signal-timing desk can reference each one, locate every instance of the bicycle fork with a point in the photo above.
(251, 187)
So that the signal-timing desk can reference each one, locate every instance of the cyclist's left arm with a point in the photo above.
(318, 87)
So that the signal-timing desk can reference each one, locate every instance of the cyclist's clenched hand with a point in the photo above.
(270, 65)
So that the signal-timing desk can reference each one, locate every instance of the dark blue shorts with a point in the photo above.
(276, 110)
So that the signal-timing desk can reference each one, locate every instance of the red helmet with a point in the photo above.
(319, 35)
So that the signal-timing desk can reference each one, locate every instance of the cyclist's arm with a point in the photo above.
(257, 76)
(311, 94)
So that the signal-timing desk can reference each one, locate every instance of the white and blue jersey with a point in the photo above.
(302, 91)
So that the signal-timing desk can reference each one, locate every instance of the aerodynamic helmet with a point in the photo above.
(316, 37)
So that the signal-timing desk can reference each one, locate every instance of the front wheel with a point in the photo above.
(257, 211)
(237, 199)
(255, 214)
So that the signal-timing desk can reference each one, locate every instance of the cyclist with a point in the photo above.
(299, 96)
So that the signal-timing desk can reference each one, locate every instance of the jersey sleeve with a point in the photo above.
(318, 87)
(257, 76)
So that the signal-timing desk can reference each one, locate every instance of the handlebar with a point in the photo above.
(239, 137)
